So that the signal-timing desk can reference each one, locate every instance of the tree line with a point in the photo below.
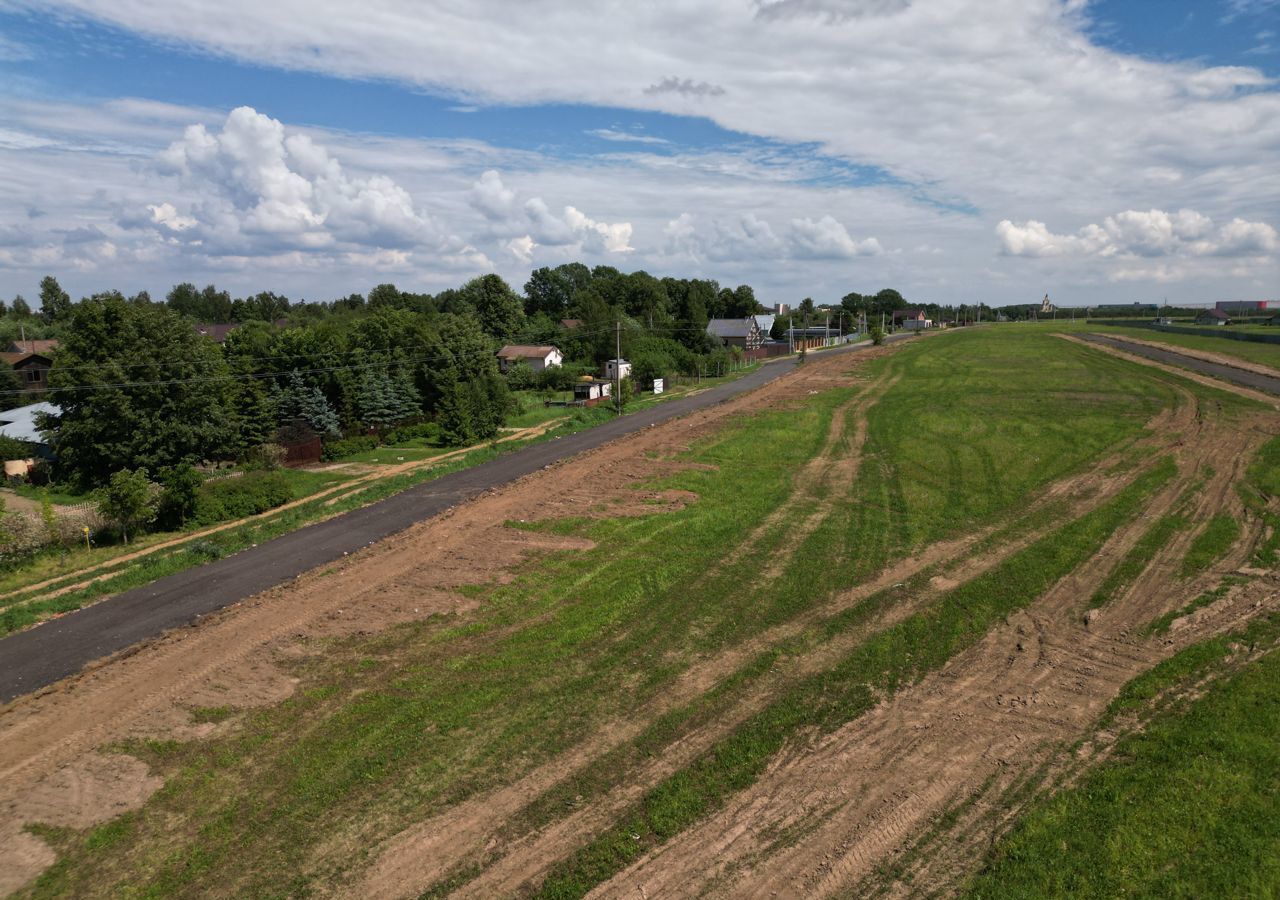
(138, 387)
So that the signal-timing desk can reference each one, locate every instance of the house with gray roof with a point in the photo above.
(744, 333)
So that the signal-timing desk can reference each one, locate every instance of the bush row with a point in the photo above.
(235, 498)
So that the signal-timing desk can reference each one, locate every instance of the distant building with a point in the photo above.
(1240, 307)
(617, 368)
(911, 319)
(218, 331)
(781, 309)
(1164, 320)
(1046, 308)
(42, 347)
(32, 368)
(591, 391)
(20, 424)
(538, 357)
(744, 333)
(1213, 317)
(570, 324)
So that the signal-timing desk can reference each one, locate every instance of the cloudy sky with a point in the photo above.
(958, 150)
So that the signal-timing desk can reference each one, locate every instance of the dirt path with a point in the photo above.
(825, 816)
(227, 659)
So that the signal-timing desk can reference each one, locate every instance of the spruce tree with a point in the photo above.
(302, 401)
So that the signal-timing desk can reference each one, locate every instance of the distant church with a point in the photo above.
(1045, 306)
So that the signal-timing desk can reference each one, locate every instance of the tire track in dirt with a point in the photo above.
(149, 688)
(875, 782)
(428, 852)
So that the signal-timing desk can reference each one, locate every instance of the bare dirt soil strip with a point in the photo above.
(827, 814)
(227, 658)
(470, 834)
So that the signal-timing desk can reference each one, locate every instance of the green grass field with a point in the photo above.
(387, 729)
(1187, 807)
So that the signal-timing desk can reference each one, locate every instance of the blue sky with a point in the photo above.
(1224, 34)
(958, 150)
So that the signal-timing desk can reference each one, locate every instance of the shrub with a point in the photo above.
(877, 336)
(11, 448)
(178, 499)
(426, 431)
(206, 551)
(344, 447)
(561, 378)
(128, 500)
(236, 498)
(264, 456)
(520, 376)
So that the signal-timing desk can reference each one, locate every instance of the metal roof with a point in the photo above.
(730, 328)
(20, 423)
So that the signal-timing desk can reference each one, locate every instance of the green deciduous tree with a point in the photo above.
(136, 386)
(498, 308)
(55, 303)
(181, 491)
(128, 500)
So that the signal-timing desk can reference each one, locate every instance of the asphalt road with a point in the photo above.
(40, 656)
(1241, 377)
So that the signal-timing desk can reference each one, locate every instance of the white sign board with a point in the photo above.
(657, 385)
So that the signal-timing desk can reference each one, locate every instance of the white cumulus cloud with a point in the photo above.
(1136, 233)
(827, 238)
(522, 227)
(251, 188)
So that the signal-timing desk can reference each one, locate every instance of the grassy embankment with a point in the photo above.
(1249, 351)
(387, 729)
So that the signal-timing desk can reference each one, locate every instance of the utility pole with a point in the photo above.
(617, 365)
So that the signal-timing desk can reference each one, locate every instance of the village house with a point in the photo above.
(32, 368)
(744, 333)
(537, 357)
(218, 331)
(43, 347)
(911, 320)
(1213, 317)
